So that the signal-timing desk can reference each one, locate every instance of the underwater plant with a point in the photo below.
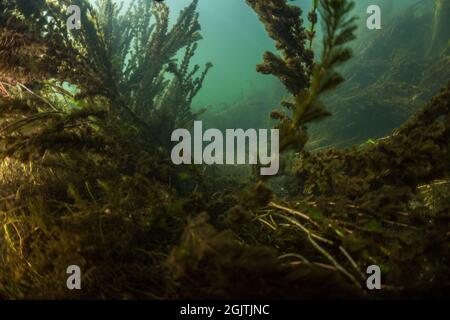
(73, 186)
(365, 204)
(407, 70)
(117, 55)
(304, 78)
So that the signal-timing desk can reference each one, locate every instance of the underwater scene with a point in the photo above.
(224, 149)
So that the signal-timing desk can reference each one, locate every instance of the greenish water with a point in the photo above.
(234, 41)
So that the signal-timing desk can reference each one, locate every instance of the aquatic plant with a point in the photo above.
(305, 79)
(73, 186)
(407, 70)
(364, 205)
(376, 193)
(121, 57)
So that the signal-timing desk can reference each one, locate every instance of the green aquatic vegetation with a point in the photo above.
(405, 69)
(72, 182)
(124, 58)
(378, 188)
(363, 205)
(305, 79)
(86, 177)
(244, 272)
